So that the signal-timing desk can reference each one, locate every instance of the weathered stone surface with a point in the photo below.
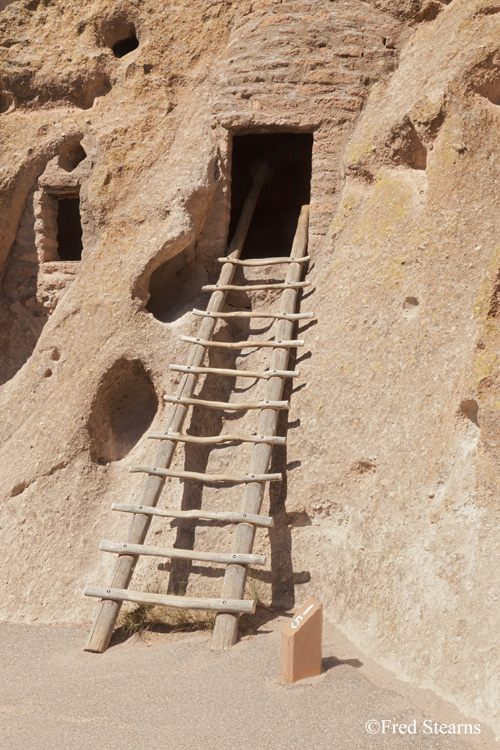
(390, 508)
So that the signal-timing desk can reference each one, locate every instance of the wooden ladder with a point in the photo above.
(231, 603)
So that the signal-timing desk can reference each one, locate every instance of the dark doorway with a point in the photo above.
(287, 188)
(69, 228)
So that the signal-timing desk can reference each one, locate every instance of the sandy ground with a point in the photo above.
(171, 691)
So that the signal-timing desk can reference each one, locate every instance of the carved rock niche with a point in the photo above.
(58, 227)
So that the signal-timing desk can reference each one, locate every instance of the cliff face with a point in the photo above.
(391, 499)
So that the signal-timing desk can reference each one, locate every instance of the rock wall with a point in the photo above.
(389, 508)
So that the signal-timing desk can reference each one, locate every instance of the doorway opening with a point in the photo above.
(287, 188)
(69, 228)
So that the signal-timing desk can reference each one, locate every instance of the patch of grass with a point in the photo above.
(136, 620)
(253, 589)
(146, 617)
(254, 594)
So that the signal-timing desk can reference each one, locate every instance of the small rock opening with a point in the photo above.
(491, 90)
(175, 285)
(6, 100)
(123, 408)
(118, 32)
(71, 156)
(287, 188)
(409, 149)
(411, 307)
(430, 11)
(69, 227)
(469, 408)
(410, 302)
(125, 46)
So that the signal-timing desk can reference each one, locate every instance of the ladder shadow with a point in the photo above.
(281, 576)
(280, 536)
(204, 422)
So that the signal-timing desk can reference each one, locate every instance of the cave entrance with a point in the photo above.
(287, 188)
(125, 46)
(69, 227)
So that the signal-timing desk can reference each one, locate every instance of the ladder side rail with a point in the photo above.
(108, 610)
(226, 624)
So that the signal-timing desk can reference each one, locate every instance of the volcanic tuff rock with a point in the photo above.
(390, 508)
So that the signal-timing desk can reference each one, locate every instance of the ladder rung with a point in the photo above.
(253, 314)
(276, 344)
(264, 261)
(265, 521)
(236, 373)
(210, 478)
(227, 405)
(179, 602)
(254, 287)
(216, 439)
(225, 558)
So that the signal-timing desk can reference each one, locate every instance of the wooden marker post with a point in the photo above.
(301, 643)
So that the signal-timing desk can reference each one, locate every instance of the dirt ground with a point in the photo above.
(170, 691)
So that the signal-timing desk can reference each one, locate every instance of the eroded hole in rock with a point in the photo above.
(488, 11)
(119, 34)
(125, 46)
(410, 306)
(469, 408)
(6, 100)
(123, 408)
(409, 149)
(71, 156)
(174, 286)
(364, 465)
(410, 302)
(69, 228)
(494, 309)
(18, 489)
(491, 90)
(288, 187)
(430, 11)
